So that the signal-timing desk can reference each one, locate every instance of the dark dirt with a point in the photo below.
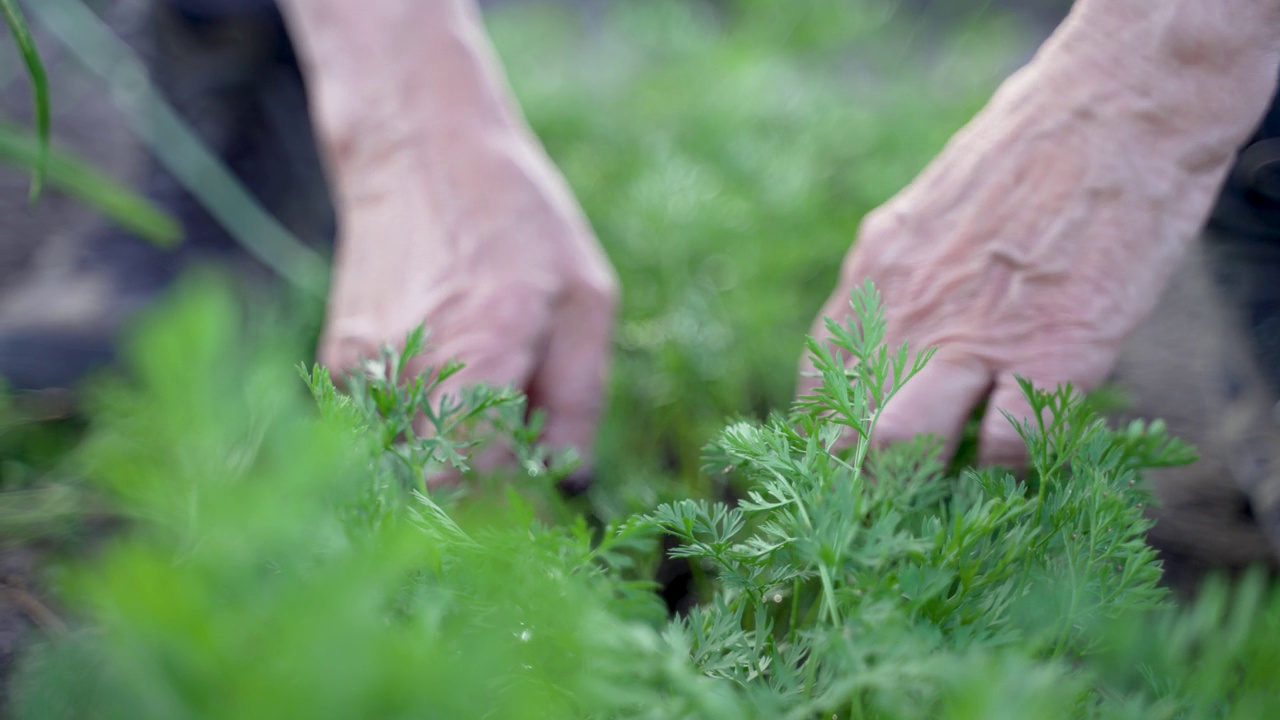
(23, 612)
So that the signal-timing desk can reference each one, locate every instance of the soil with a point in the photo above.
(23, 612)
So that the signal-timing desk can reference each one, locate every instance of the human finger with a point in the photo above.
(998, 440)
(937, 401)
(569, 382)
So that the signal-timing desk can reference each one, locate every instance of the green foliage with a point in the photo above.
(281, 561)
(34, 503)
(859, 581)
(251, 582)
(725, 153)
(276, 556)
(419, 433)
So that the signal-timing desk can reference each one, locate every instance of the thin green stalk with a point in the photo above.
(179, 149)
(1060, 647)
(795, 610)
(824, 572)
(81, 181)
(39, 88)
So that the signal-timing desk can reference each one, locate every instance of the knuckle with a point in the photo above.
(599, 289)
(877, 224)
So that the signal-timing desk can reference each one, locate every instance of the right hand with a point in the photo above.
(1043, 234)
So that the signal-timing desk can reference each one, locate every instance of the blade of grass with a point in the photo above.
(39, 88)
(179, 149)
(81, 181)
(37, 513)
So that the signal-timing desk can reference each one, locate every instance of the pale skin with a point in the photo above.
(450, 212)
(1033, 245)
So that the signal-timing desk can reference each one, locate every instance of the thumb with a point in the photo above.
(937, 401)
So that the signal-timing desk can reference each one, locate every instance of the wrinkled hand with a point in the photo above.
(1037, 241)
(451, 214)
(483, 243)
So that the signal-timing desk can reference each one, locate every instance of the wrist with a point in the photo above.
(396, 76)
(1177, 68)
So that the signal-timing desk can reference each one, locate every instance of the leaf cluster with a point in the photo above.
(264, 568)
(856, 582)
(286, 562)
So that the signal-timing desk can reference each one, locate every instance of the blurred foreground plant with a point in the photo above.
(286, 563)
(251, 581)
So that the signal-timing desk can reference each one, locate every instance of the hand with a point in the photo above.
(1045, 231)
(450, 212)
(484, 244)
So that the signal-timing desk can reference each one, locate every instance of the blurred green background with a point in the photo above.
(724, 151)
